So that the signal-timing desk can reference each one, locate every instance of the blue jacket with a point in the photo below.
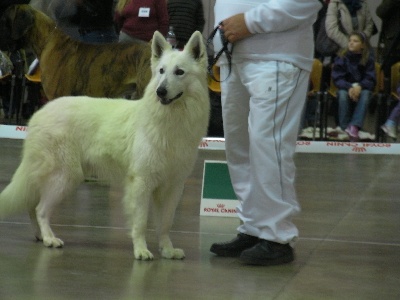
(348, 70)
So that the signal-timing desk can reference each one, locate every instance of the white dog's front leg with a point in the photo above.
(166, 201)
(137, 199)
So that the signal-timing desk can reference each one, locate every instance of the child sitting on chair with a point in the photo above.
(354, 75)
(391, 123)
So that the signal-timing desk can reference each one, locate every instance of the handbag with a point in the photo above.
(323, 43)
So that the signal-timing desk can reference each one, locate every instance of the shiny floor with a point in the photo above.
(349, 246)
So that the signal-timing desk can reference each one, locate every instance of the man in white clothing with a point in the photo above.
(262, 102)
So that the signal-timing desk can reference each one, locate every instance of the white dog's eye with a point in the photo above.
(161, 71)
(179, 72)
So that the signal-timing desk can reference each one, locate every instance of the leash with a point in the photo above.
(225, 49)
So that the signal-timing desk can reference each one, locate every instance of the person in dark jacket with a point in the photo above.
(389, 39)
(89, 21)
(186, 16)
(6, 3)
(95, 21)
(354, 75)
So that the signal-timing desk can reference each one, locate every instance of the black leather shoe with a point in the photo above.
(234, 247)
(267, 253)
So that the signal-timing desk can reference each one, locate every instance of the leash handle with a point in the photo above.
(224, 49)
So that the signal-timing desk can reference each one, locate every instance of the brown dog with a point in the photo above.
(70, 67)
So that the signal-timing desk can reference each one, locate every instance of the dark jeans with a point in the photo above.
(394, 115)
(99, 36)
(361, 107)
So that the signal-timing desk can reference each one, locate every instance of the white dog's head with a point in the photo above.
(176, 73)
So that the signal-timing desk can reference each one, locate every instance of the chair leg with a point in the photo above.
(379, 118)
(324, 116)
(317, 117)
(11, 103)
(22, 100)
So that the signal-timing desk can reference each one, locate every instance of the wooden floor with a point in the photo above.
(349, 246)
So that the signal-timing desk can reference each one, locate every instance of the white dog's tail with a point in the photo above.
(19, 195)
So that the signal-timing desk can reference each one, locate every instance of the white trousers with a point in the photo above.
(262, 103)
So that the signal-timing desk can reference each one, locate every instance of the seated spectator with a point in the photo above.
(354, 75)
(95, 20)
(90, 21)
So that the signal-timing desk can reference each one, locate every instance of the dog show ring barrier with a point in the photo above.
(217, 196)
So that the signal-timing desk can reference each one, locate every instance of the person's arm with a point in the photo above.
(332, 25)
(369, 22)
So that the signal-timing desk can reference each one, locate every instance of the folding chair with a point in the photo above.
(329, 94)
(395, 79)
(35, 76)
(12, 95)
(213, 85)
(32, 77)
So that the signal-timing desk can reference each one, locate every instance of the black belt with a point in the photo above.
(84, 31)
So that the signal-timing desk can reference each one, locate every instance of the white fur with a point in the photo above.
(148, 145)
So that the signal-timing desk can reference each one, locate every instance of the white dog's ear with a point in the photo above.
(158, 45)
(195, 46)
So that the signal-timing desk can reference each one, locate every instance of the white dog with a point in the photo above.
(149, 144)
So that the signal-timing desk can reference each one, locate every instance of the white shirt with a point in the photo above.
(282, 29)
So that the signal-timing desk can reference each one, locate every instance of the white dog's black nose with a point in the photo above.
(162, 92)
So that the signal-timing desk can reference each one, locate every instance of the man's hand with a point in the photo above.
(235, 28)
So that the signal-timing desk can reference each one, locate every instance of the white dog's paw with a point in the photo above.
(143, 254)
(53, 242)
(173, 253)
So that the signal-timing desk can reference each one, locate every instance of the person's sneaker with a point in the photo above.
(234, 247)
(352, 131)
(267, 253)
(389, 130)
